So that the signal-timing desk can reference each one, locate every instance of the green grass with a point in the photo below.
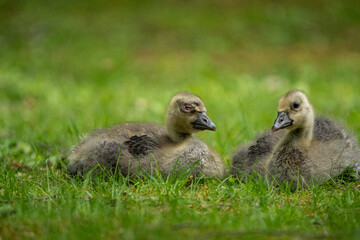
(66, 68)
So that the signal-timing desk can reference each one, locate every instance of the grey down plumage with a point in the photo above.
(142, 148)
(302, 149)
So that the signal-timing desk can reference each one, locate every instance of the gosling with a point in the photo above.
(136, 149)
(311, 152)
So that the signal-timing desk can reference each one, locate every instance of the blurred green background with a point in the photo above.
(68, 66)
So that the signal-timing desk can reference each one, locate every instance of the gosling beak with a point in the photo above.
(203, 122)
(282, 121)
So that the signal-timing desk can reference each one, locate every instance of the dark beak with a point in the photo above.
(282, 121)
(203, 122)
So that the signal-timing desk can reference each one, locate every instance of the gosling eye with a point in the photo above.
(187, 108)
(295, 105)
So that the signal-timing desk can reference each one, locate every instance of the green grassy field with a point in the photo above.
(66, 68)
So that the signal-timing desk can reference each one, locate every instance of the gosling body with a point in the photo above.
(135, 149)
(252, 157)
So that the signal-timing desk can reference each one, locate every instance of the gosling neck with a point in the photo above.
(175, 130)
(177, 137)
(303, 134)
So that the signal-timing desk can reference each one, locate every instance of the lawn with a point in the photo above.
(68, 67)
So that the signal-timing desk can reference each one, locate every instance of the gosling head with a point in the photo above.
(294, 112)
(186, 114)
